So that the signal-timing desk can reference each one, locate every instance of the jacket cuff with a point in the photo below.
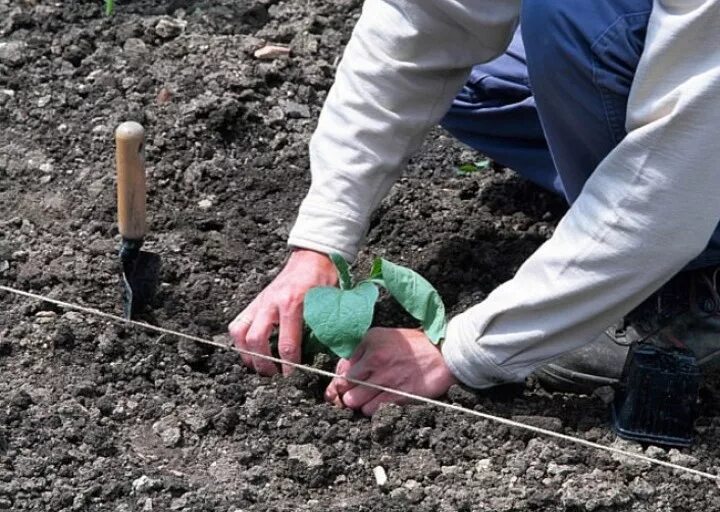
(326, 229)
(467, 360)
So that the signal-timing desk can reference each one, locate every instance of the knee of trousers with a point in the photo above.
(554, 37)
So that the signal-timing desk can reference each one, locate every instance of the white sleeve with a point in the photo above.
(405, 62)
(648, 209)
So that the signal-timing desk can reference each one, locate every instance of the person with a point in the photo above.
(612, 104)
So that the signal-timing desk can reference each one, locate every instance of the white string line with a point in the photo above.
(324, 373)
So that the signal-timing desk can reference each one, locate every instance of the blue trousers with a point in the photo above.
(554, 105)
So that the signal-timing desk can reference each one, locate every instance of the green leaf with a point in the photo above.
(415, 294)
(109, 7)
(343, 271)
(340, 318)
(376, 273)
(471, 168)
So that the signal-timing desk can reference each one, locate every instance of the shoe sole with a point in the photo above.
(557, 378)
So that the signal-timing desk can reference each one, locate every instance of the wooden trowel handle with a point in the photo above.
(131, 191)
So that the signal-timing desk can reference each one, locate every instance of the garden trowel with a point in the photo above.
(140, 269)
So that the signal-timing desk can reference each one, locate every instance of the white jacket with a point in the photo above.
(647, 210)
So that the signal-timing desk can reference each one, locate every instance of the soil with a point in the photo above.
(96, 416)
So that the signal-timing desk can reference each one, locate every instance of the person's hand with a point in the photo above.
(402, 359)
(281, 304)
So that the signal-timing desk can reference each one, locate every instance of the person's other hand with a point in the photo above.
(281, 304)
(402, 359)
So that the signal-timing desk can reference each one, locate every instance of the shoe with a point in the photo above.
(595, 365)
(683, 314)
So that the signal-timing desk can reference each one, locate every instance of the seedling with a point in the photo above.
(109, 7)
(471, 168)
(338, 318)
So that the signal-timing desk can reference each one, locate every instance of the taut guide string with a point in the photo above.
(310, 369)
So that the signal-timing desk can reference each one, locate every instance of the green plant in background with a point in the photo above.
(109, 7)
(471, 168)
(338, 318)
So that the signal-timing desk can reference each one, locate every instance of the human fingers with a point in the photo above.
(357, 397)
(290, 338)
(356, 369)
(257, 341)
(238, 330)
(372, 406)
(331, 391)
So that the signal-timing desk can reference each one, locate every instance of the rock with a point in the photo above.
(641, 488)
(167, 28)
(681, 459)
(384, 420)
(145, 484)
(169, 431)
(44, 101)
(205, 204)
(73, 317)
(197, 422)
(627, 460)
(45, 317)
(275, 115)
(135, 47)
(178, 503)
(12, 53)
(4, 266)
(163, 96)
(307, 454)
(5, 503)
(296, 110)
(271, 51)
(399, 493)
(380, 475)
(655, 452)
(19, 256)
(559, 469)
(595, 490)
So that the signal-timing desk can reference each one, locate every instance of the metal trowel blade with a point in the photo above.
(140, 280)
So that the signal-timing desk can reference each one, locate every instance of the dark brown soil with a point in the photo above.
(105, 418)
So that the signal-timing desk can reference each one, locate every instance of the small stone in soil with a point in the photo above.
(145, 484)
(12, 53)
(384, 420)
(164, 96)
(134, 47)
(380, 475)
(272, 51)
(308, 454)
(45, 317)
(167, 28)
(169, 431)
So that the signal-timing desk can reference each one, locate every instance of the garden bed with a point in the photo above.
(97, 416)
